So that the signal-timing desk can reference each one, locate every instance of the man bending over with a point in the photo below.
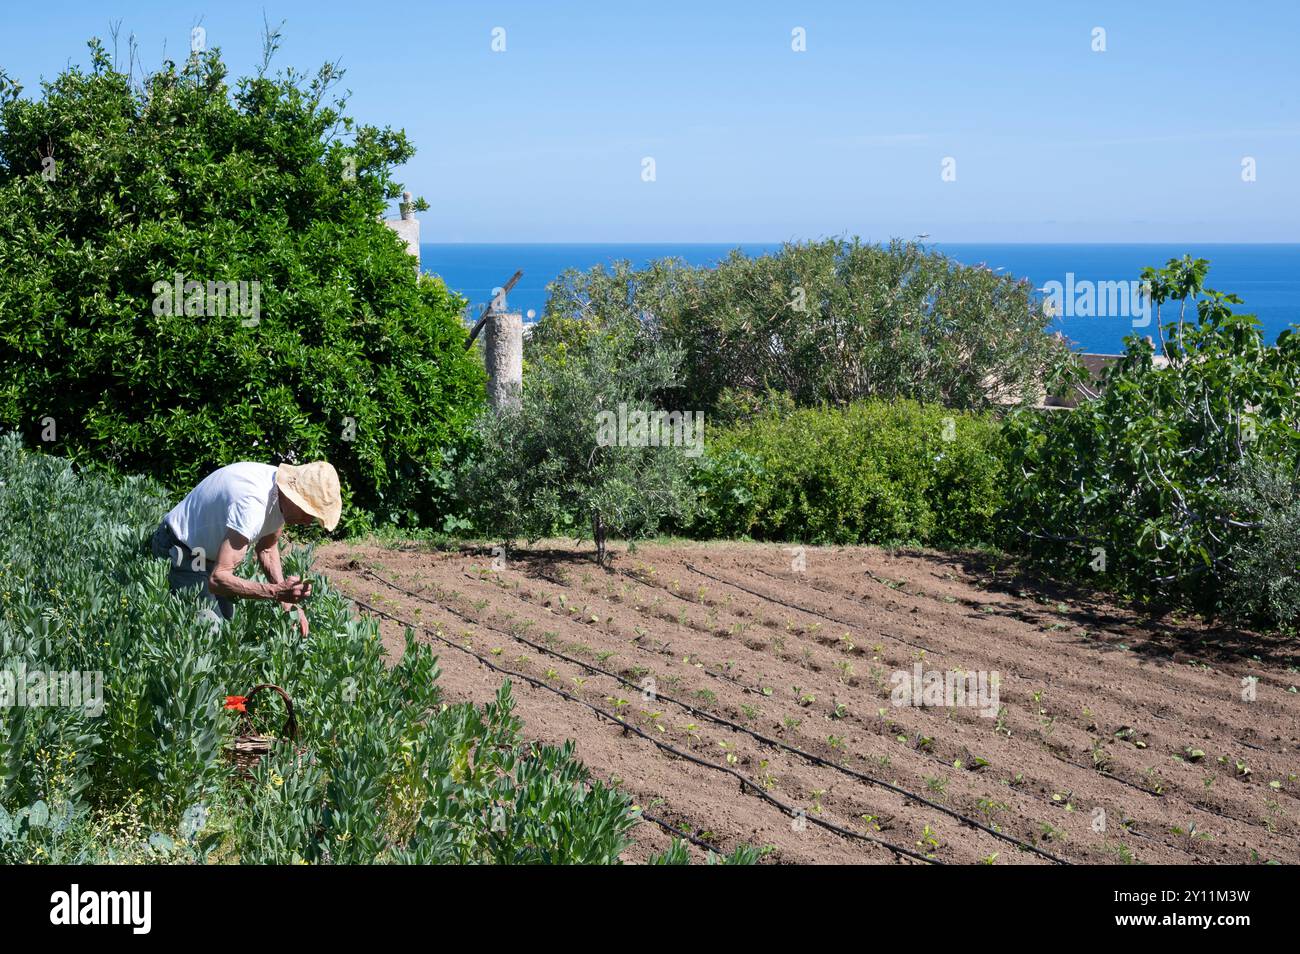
(207, 534)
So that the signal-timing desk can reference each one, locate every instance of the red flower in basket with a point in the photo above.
(236, 703)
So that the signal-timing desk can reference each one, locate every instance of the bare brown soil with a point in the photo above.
(1119, 738)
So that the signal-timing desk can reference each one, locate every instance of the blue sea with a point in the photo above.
(1266, 277)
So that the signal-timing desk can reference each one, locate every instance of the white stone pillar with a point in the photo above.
(503, 355)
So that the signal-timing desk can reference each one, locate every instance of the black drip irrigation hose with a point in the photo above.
(1104, 774)
(676, 832)
(839, 596)
(712, 674)
(727, 723)
(745, 783)
(802, 609)
(1155, 715)
(698, 604)
(860, 775)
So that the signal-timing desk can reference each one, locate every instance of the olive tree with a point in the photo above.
(588, 452)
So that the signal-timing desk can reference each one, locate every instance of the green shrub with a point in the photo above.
(828, 323)
(1263, 582)
(873, 472)
(350, 357)
(1148, 489)
(548, 467)
(388, 771)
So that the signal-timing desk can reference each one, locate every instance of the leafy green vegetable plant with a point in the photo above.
(384, 770)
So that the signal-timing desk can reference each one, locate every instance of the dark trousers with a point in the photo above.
(189, 569)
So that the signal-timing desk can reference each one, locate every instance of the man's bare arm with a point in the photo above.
(224, 582)
(268, 556)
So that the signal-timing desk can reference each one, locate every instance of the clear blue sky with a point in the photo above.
(755, 142)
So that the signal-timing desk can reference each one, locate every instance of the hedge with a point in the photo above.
(872, 472)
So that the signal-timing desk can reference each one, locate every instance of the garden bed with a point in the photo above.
(1119, 738)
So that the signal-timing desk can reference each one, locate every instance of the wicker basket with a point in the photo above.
(249, 747)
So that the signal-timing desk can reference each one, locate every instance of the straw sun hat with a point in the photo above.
(313, 487)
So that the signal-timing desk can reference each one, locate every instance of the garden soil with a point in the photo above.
(748, 694)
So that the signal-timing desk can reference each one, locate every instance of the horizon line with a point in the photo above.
(735, 242)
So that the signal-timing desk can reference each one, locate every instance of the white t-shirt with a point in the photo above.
(240, 497)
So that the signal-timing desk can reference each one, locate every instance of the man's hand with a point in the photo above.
(287, 592)
(302, 616)
(292, 589)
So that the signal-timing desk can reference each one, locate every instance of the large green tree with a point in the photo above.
(832, 321)
(1180, 483)
(111, 186)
